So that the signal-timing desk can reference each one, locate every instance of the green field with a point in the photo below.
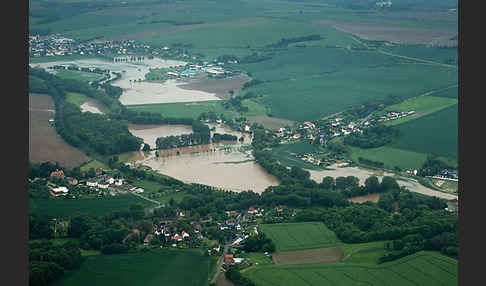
(310, 83)
(436, 54)
(95, 206)
(435, 133)
(450, 93)
(422, 105)
(421, 269)
(184, 109)
(300, 236)
(78, 75)
(156, 267)
(364, 253)
(157, 191)
(285, 154)
(76, 98)
(93, 164)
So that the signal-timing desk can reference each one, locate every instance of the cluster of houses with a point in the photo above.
(392, 115)
(447, 174)
(58, 45)
(338, 126)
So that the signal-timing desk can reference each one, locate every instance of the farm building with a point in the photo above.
(60, 191)
(228, 259)
(57, 173)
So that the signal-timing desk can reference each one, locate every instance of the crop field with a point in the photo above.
(422, 268)
(95, 206)
(155, 267)
(434, 133)
(300, 236)
(450, 93)
(44, 142)
(184, 109)
(310, 83)
(422, 105)
(285, 153)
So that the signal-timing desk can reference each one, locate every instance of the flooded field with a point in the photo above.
(141, 92)
(226, 165)
(44, 142)
(150, 133)
(91, 106)
(218, 87)
(363, 174)
(214, 165)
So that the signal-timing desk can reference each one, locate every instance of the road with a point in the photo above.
(220, 263)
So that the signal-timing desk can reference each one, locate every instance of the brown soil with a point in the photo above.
(394, 34)
(270, 122)
(44, 142)
(311, 256)
(366, 198)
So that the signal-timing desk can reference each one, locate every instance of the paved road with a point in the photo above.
(220, 263)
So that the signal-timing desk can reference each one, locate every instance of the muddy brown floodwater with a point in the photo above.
(363, 174)
(225, 165)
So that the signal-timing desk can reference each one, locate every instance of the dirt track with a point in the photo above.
(44, 143)
(311, 256)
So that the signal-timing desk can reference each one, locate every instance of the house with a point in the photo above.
(185, 234)
(60, 191)
(119, 182)
(309, 124)
(237, 241)
(57, 173)
(238, 227)
(252, 210)
(230, 222)
(110, 180)
(103, 185)
(148, 239)
(238, 260)
(231, 213)
(247, 128)
(280, 208)
(296, 136)
(228, 259)
(177, 237)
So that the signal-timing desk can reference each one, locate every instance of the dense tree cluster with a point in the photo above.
(284, 42)
(47, 261)
(259, 243)
(201, 135)
(432, 166)
(372, 137)
(233, 274)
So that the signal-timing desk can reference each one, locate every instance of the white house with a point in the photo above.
(91, 183)
(119, 182)
(103, 185)
(185, 234)
(60, 191)
(110, 180)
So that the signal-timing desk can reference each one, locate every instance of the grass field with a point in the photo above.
(450, 93)
(152, 190)
(78, 75)
(392, 156)
(422, 105)
(156, 267)
(93, 164)
(363, 253)
(76, 98)
(422, 268)
(285, 153)
(184, 109)
(300, 236)
(434, 133)
(94, 206)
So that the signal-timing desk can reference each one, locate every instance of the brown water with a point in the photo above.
(226, 165)
(363, 174)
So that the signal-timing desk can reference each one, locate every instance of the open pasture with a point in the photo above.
(156, 267)
(44, 142)
(434, 133)
(95, 206)
(422, 269)
(300, 236)
(309, 256)
(422, 105)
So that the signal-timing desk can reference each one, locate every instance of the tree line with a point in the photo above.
(201, 135)
(373, 137)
